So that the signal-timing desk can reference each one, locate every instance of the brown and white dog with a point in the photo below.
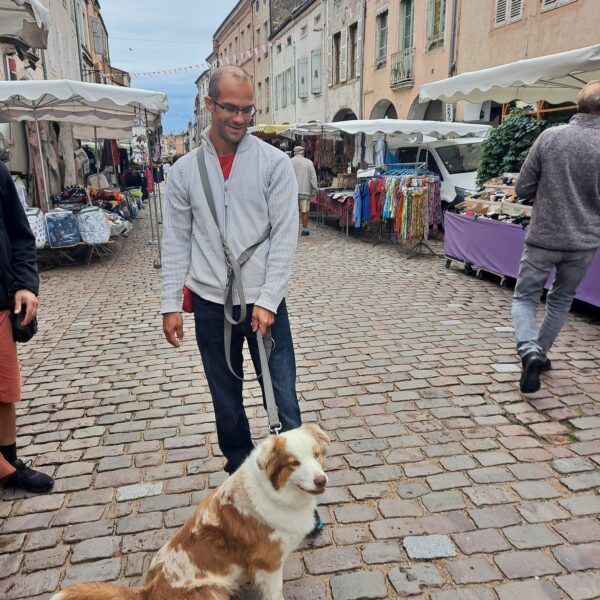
(241, 533)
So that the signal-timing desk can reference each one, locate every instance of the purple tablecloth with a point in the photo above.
(331, 206)
(497, 247)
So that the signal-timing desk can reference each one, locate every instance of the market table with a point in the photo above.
(327, 205)
(497, 247)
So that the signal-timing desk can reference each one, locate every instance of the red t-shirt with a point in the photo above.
(226, 164)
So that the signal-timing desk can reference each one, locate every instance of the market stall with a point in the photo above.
(489, 231)
(78, 214)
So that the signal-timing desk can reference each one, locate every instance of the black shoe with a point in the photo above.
(547, 365)
(318, 524)
(25, 478)
(305, 232)
(533, 365)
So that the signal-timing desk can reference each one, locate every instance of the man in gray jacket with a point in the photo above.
(562, 175)
(255, 195)
(307, 184)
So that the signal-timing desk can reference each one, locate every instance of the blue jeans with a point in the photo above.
(233, 430)
(536, 264)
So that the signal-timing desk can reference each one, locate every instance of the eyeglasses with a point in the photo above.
(232, 110)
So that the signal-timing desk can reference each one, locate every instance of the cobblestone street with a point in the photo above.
(445, 482)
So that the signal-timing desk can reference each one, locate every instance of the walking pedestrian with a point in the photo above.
(307, 184)
(562, 177)
(255, 201)
(18, 278)
(166, 167)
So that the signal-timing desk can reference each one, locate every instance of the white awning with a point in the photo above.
(555, 78)
(436, 129)
(25, 21)
(80, 102)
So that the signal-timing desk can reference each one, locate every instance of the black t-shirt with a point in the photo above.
(18, 266)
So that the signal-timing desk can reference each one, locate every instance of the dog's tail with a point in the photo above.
(97, 591)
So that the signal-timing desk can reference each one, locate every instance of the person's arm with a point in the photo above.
(24, 281)
(531, 171)
(282, 198)
(176, 240)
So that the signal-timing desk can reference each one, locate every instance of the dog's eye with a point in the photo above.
(317, 454)
(295, 463)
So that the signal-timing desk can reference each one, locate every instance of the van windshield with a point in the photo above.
(460, 158)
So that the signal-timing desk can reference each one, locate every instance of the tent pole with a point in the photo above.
(97, 158)
(42, 160)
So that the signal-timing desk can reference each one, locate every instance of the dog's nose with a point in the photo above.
(320, 481)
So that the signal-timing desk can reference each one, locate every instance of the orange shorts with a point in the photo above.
(10, 376)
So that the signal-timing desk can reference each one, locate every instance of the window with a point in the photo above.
(267, 94)
(266, 38)
(278, 48)
(304, 31)
(353, 51)
(242, 46)
(303, 78)
(284, 88)
(289, 40)
(336, 43)
(290, 87)
(436, 20)
(550, 4)
(460, 158)
(315, 67)
(317, 20)
(406, 26)
(508, 11)
(381, 39)
(257, 6)
(277, 90)
(259, 95)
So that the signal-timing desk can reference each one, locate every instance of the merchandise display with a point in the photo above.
(62, 227)
(94, 226)
(38, 226)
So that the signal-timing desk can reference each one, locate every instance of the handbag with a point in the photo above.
(21, 333)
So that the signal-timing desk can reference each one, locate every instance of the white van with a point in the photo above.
(454, 161)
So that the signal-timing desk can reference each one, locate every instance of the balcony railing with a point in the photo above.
(401, 71)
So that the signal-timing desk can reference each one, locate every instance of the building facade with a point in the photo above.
(233, 42)
(201, 112)
(496, 32)
(261, 24)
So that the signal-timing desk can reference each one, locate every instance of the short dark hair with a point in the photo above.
(588, 99)
(218, 74)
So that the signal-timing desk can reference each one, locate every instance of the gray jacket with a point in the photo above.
(261, 189)
(305, 175)
(562, 175)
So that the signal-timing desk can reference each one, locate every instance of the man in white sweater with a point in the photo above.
(307, 184)
(255, 198)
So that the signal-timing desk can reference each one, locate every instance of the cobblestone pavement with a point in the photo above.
(445, 482)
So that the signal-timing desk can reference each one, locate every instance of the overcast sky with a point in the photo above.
(152, 35)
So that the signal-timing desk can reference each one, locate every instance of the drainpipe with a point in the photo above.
(362, 60)
(451, 63)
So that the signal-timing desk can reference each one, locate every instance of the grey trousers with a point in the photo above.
(536, 264)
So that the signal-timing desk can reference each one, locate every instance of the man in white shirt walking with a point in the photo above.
(307, 184)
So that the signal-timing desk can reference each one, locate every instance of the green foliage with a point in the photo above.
(506, 147)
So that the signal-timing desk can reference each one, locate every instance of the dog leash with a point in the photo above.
(234, 280)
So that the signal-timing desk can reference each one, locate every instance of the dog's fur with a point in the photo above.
(241, 533)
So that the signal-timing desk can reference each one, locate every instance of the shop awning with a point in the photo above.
(435, 129)
(555, 78)
(268, 129)
(24, 21)
(80, 102)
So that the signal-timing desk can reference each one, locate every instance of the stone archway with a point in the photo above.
(384, 109)
(426, 111)
(344, 114)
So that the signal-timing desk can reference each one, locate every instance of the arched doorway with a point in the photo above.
(344, 114)
(384, 109)
(426, 111)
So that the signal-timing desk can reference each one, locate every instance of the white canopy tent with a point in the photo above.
(24, 21)
(90, 107)
(555, 78)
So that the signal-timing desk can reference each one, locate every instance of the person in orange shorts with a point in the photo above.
(18, 278)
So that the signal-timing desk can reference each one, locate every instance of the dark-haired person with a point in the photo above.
(255, 196)
(18, 277)
(562, 176)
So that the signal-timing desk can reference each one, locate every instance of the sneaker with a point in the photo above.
(25, 478)
(305, 232)
(318, 524)
(533, 365)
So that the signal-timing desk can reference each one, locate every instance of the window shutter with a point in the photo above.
(97, 34)
(293, 91)
(516, 10)
(549, 4)
(283, 90)
(315, 76)
(501, 12)
(303, 78)
(344, 55)
(329, 61)
(358, 57)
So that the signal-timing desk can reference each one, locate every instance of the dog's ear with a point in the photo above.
(320, 436)
(265, 452)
